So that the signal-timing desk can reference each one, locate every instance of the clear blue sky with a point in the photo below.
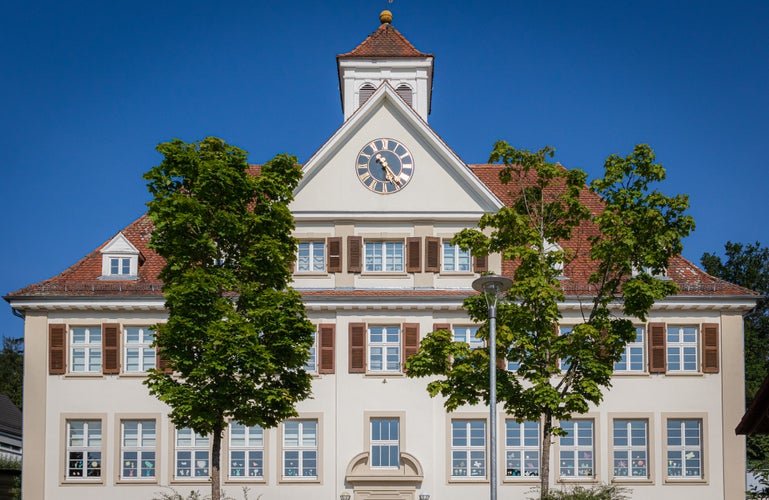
(89, 88)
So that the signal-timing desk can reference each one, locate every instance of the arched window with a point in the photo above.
(405, 92)
(364, 93)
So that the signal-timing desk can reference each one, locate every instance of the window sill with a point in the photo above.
(245, 479)
(684, 374)
(629, 481)
(521, 480)
(684, 481)
(385, 374)
(299, 480)
(577, 480)
(138, 481)
(628, 374)
(133, 375)
(470, 480)
(311, 274)
(456, 274)
(81, 482)
(85, 375)
(383, 274)
(118, 277)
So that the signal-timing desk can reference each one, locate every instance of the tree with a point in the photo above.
(237, 336)
(634, 233)
(748, 266)
(12, 369)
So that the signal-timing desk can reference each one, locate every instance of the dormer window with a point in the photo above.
(120, 260)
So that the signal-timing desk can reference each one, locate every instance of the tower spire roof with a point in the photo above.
(386, 41)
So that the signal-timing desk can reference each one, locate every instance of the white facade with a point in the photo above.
(332, 438)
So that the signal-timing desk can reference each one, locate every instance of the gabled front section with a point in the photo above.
(375, 214)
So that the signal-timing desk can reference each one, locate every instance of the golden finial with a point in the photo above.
(386, 17)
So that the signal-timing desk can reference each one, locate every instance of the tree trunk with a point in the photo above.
(547, 437)
(216, 449)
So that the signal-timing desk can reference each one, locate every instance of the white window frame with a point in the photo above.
(139, 451)
(311, 256)
(468, 459)
(522, 450)
(384, 256)
(301, 455)
(84, 436)
(634, 355)
(245, 452)
(685, 452)
(389, 350)
(687, 352)
(382, 442)
(190, 449)
(630, 449)
(565, 363)
(573, 448)
(467, 334)
(145, 353)
(311, 366)
(454, 259)
(90, 347)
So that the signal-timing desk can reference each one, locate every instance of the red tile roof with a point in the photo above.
(386, 41)
(84, 277)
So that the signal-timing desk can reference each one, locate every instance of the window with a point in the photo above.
(384, 349)
(684, 448)
(405, 92)
(521, 449)
(385, 443)
(384, 256)
(312, 362)
(139, 353)
(454, 258)
(120, 266)
(633, 356)
(192, 455)
(468, 449)
(365, 92)
(84, 449)
(85, 349)
(311, 256)
(576, 449)
(246, 451)
(682, 348)
(137, 448)
(468, 334)
(300, 449)
(565, 362)
(631, 448)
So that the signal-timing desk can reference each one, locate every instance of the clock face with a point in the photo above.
(384, 166)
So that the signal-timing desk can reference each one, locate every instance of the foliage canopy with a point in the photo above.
(629, 241)
(237, 336)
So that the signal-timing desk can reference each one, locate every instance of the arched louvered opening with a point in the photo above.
(365, 92)
(406, 93)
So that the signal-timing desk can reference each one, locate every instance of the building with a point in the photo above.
(377, 272)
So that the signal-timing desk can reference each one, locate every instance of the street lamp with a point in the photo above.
(491, 287)
(424, 496)
(344, 496)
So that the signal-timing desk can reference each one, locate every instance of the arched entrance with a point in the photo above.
(384, 484)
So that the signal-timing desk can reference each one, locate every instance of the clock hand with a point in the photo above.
(389, 174)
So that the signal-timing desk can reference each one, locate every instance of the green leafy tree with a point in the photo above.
(237, 336)
(12, 369)
(748, 266)
(636, 228)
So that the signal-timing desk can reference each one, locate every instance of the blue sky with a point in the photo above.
(89, 88)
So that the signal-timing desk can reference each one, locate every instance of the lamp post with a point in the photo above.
(491, 287)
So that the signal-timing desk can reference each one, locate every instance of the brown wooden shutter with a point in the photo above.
(410, 341)
(357, 348)
(57, 349)
(710, 348)
(334, 247)
(110, 348)
(414, 255)
(441, 326)
(657, 354)
(354, 254)
(432, 254)
(326, 348)
(480, 263)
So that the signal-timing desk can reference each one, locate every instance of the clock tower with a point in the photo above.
(385, 57)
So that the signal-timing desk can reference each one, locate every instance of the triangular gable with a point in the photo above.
(442, 183)
(119, 245)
